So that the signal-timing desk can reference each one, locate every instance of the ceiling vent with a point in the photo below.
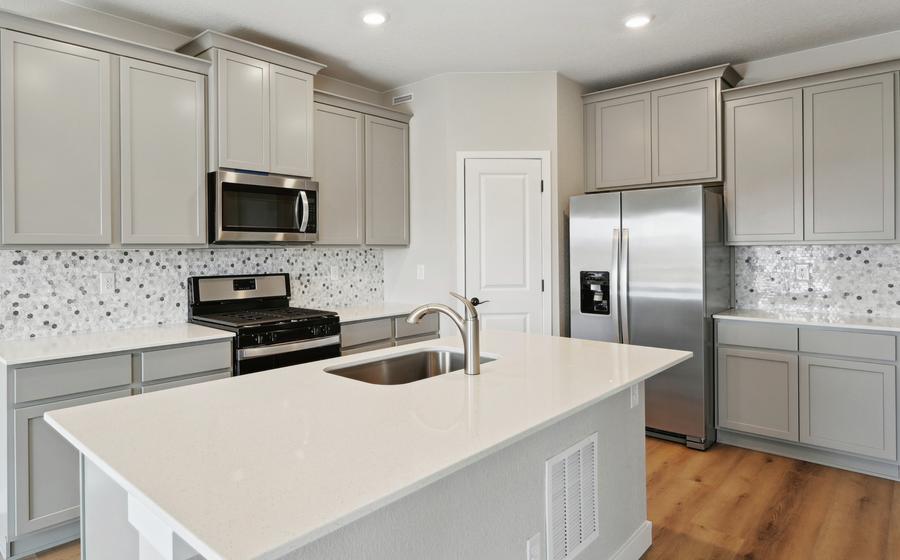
(571, 486)
(400, 99)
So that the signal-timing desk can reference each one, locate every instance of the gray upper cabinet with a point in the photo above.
(617, 140)
(764, 163)
(387, 181)
(163, 150)
(340, 171)
(660, 132)
(56, 152)
(849, 163)
(243, 111)
(291, 122)
(685, 132)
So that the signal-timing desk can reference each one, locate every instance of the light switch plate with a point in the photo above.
(635, 395)
(335, 273)
(107, 282)
(801, 271)
(420, 272)
(533, 547)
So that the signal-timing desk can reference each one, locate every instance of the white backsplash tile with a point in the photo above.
(48, 292)
(843, 279)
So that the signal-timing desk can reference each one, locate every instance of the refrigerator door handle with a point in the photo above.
(623, 289)
(614, 285)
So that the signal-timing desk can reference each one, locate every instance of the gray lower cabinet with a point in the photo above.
(46, 467)
(617, 142)
(685, 132)
(849, 406)
(764, 167)
(56, 147)
(849, 159)
(385, 332)
(387, 181)
(758, 392)
(163, 150)
(340, 171)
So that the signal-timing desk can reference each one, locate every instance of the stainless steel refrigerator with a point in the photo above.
(650, 267)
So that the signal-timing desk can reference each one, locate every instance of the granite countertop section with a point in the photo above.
(42, 349)
(256, 466)
(850, 322)
(374, 311)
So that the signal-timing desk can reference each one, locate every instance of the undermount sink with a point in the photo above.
(405, 368)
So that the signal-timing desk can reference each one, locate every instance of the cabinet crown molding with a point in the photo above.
(334, 100)
(210, 39)
(101, 42)
(724, 72)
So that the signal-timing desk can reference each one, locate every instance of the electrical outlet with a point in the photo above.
(107, 282)
(635, 395)
(335, 273)
(533, 547)
(420, 272)
(801, 271)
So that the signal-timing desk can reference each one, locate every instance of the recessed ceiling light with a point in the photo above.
(638, 20)
(374, 18)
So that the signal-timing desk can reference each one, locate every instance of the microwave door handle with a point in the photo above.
(303, 218)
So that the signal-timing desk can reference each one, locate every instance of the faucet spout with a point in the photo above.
(468, 328)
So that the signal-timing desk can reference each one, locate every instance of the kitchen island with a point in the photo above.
(301, 463)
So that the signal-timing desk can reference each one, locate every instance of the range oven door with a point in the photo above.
(261, 358)
(251, 208)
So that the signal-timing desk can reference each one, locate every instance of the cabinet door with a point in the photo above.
(340, 163)
(163, 120)
(291, 124)
(849, 406)
(387, 182)
(55, 112)
(46, 467)
(685, 133)
(757, 392)
(243, 108)
(617, 142)
(849, 159)
(764, 167)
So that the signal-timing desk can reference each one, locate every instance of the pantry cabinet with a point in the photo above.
(813, 159)
(660, 132)
(56, 148)
(163, 151)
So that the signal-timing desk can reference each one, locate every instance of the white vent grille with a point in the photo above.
(405, 98)
(571, 486)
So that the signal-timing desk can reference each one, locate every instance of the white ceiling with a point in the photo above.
(583, 39)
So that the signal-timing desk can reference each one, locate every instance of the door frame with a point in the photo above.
(547, 199)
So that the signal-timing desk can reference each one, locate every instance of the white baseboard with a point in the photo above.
(637, 544)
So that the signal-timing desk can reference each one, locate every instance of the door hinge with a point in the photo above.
(542, 284)
(542, 185)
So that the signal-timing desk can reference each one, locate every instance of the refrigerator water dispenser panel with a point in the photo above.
(595, 292)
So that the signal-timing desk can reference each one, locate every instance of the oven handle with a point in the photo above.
(304, 221)
(286, 347)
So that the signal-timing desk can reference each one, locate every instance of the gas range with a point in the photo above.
(269, 333)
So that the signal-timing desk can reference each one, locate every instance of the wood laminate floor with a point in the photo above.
(732, 503)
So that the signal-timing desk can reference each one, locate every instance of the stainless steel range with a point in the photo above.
(269, 333)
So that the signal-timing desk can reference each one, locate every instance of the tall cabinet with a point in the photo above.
(813, 159)
(86, 120)
(362, 166)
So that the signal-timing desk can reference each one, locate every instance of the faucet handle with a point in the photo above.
(471, 313)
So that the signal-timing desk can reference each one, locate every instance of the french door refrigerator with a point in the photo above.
(650, 267)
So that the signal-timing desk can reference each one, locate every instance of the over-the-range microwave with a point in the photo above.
(246, 207)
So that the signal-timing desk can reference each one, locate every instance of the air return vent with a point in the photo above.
(405, 98)
(571, 486)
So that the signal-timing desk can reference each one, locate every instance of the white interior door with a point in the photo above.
(503, 242)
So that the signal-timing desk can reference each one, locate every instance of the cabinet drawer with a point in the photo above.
(851, 344)
(366, 347)
(364, 332)
(67, 378)
(414, 339)
(175, 362)
(189, 381)
(760, 335)
(429, 324)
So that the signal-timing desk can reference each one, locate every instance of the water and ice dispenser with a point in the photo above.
(595, 292)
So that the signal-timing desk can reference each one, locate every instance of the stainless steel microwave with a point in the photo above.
(261, 208)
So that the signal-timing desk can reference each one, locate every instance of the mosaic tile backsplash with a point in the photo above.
(842, 279)
(49, 292)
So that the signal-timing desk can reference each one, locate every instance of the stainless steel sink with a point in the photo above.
(405, 368)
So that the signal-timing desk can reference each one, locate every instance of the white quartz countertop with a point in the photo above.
(812, 319)
(21, 352)
(374, 311)
(258, 465)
